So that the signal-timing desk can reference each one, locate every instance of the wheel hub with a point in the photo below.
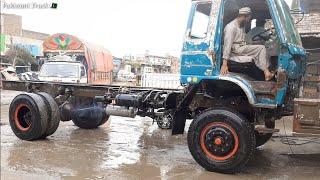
(22, 117)
(165, 121)
(219, 141)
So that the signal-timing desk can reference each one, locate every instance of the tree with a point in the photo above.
(18, 56)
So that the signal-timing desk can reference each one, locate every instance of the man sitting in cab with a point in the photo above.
(236, 48)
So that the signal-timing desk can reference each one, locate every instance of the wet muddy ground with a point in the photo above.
(127, 148)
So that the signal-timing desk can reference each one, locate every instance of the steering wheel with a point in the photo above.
(263, 35)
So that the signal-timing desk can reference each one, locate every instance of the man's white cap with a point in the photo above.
(245, 11)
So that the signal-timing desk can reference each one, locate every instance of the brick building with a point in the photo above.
(34, 35)
(12, 34)
(308, 13)
(310, 22)
(175, 65)
(148, 63)
(11, 24)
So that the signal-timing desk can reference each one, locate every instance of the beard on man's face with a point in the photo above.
(242, 23)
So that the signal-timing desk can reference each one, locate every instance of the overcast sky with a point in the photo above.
(122, 26)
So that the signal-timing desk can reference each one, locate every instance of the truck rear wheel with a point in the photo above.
(53, 114)
(261, 139)
(28, 116)
(221, 140)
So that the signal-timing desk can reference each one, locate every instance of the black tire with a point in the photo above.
(28, 116)
(261, 139)
(104, 120)
(89, 118)
(165, 121)
(53, 114)
(221, 140)
(162, 126)
(88, 124)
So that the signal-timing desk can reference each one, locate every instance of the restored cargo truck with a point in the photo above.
(231, 114)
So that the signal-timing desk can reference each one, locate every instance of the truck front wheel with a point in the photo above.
(221, 140)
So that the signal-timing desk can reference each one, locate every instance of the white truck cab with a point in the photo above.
(66, 71)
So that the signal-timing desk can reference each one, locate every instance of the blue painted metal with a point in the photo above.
(218, 39)
(197, 65)
(276, 22)
(296, 50)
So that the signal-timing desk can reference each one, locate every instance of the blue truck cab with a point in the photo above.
(202, 48)
(235, 113)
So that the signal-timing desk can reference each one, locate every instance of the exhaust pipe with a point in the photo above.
(121, 111)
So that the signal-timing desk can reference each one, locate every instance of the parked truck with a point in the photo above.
(63, 69)
(85, 62)
(231, 114)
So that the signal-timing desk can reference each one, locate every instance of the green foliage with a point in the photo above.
(19, 56)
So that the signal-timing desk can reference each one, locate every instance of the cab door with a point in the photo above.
(197, 58)
(83, 75)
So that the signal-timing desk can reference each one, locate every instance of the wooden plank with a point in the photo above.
(306, 116)
(310, 90)
(309, 78)
(312, 95)
(308, 131)
(313, 69)
(295, 134)
(305, 100)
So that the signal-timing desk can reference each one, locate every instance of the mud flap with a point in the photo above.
(179, 118)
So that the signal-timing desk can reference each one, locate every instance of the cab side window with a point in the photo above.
(201, 21)
(82, 72)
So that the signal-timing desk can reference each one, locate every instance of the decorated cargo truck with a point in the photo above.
(81, 62)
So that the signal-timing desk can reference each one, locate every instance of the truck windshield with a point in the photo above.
(59, 70)
(286, 22)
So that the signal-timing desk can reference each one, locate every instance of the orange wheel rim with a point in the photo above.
(22, 117)
(219, 141)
